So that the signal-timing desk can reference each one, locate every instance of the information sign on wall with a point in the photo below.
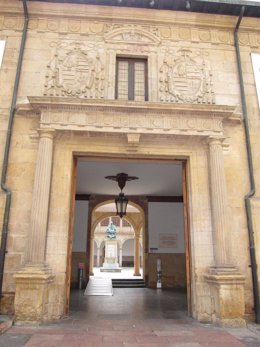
(168, 240)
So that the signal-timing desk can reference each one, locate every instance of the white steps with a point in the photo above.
(99, 286)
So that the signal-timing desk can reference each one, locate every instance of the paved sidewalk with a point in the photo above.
(78, 332)
(131, 318)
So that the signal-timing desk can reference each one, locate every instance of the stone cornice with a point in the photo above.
(114, 116)
(58, 103)
(131, 15)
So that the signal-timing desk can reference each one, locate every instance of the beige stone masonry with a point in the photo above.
(32, 294)
(227, 295)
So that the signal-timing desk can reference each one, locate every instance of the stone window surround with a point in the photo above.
(152, 76)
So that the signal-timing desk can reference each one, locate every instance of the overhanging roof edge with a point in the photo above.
(232, 2)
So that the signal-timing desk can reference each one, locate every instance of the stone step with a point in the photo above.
(128, 283)
(99, 286)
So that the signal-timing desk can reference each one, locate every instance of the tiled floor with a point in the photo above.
(130, 318)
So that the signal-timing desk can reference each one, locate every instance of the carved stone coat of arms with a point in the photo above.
(185, 78)
(75, 72)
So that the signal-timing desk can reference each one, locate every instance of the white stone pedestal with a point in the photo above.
(111, 263)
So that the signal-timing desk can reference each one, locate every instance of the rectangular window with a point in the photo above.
(131, 79)
(2, 47)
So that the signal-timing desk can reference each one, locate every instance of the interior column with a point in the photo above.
(91, 256)
(98, 256)
(137, 257)
(120, 256)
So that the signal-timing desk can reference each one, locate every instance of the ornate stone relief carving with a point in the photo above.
(131, 34)
(76, 70)
(185, 77)
(152, 29)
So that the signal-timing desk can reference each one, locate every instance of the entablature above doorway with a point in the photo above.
(114, 116)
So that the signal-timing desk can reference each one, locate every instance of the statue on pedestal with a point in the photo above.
(111, 260)
(111, 231)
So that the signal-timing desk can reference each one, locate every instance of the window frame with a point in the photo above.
(131, 74)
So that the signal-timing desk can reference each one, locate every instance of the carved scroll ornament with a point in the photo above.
(75, 72)
(186, 78)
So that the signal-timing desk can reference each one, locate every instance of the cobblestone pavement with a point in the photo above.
(131, 318)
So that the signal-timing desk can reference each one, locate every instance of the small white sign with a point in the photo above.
(256, 67)
(2, 47)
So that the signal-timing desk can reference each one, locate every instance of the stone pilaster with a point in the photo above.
(137, 257)
(219, 204)
(225, 281)
(33, 281)
(41, 196)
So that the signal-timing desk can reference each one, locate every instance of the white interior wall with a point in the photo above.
(166, 227)
(128, 248)
(80, 226)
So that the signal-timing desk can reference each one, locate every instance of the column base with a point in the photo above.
(32, 293)
(227, 295)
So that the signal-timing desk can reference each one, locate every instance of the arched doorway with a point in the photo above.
(127, 228)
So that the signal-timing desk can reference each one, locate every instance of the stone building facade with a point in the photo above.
(67, 107)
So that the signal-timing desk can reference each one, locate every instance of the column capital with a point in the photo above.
(216, 140)
(46, 133)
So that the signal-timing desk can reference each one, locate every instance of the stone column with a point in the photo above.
(33, 280)
(137, 257)
(98, 256)
(120, 256)
(219, 204)
(40, 201)
(91, 256)
(226, 283)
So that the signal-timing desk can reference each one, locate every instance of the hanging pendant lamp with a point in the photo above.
(121, 201)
